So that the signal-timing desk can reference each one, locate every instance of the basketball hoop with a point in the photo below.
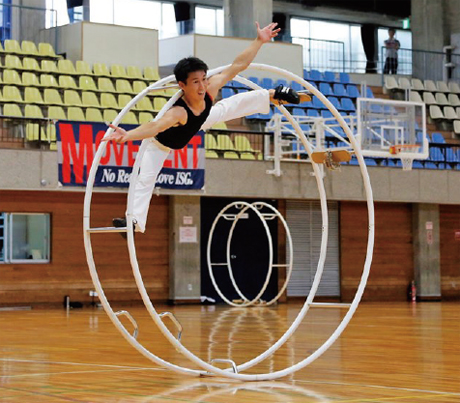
(405, 154)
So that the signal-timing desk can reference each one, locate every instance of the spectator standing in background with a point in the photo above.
(391, 61)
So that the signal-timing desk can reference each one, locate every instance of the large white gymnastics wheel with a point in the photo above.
(208, 369)
(243, 207)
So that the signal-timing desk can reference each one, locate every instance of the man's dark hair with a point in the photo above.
(188, 65)
(392, 30)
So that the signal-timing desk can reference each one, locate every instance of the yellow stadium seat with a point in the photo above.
(49, 66)
(12, 94)
(134, 72)
(109, 101)
(29, 63)
(242, 144)
(33, 111)
(94, 115)
(171, 91)
(158, 103)
(89, 99)
(224, 143)
(32, 96)
(67, 82)
(83, 68)
(105, 85)
(151, 74)
(75, 113)
(210, 142)
(47, 80)
(29, 48)
(66, 67)
(1, 48)
(51, 97)
(87, 83)
(118, 71)
(11, 77)
(130, 119)
(247, 156)
(211, 154)
(30, 79)
(101, 69)
(145, 105)
(72, 98)
(110, 115)
(139, 86)
(145, 117)
(220, 126)
(13, 62)
(56, 112)
(231, 155)
(12, 46)
(12, 110)
(123, 86)
(46, 49)
(34, 132)
(123, 100)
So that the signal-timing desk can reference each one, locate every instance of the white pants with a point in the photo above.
(234, 107)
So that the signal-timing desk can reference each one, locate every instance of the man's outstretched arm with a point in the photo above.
(244, 59)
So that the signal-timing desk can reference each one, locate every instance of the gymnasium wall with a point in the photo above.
(105, 43)
(67, 273)
(449, 217)
(219, 51)
(392, 265)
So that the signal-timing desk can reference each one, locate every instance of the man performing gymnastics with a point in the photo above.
(194, 111)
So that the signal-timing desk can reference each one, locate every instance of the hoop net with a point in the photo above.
(405, 152)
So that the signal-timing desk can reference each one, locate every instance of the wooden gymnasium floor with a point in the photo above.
(390, 352)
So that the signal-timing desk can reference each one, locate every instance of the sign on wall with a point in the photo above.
(77, 143)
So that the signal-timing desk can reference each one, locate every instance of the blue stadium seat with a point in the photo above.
(317, 104)
(326, 89)
(437, 138)
(326, 113)
(255, 80)
(339, 90)
(370, 162)
(352, 91)
(329, 77)
(227, 92)
(313, 113)
(315, 75)
(334, 101)
(296, 86)
(369, 93)
(266, 83)
(348, 105)
(298, 111)
(430, 165)
(306, 75)
(344, 78)
(280, 82)
(417, 165)
(436, 154)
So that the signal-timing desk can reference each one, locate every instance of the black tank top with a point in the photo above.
(177, 137)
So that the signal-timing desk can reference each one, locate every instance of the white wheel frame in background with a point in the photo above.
(208, 368)
(235, 218)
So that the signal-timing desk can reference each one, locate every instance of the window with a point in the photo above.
(136, 13)
(24, 238)
(56, 13)
(5, 20)
(209, 21)
(329, 45)
(404, 54)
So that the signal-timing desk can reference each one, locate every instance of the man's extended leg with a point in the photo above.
(250, 102)
(151, 164)
(238, 106)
